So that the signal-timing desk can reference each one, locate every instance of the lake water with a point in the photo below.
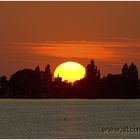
(74, 118)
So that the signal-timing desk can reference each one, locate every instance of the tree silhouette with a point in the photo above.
(37, 69)
(133, 73)
(92, 78)
(28, 83)
(129, 80)
(91, 71)
(4, 87)
(130, 72)
(48, 74)
(47, 82)
(125, 71)
(25, 84)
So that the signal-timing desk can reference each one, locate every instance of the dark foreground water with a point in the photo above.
(69, 118)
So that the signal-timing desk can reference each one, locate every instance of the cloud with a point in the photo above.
(83, 49)
(111, 50)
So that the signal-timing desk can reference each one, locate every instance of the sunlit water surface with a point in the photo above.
(74, 118)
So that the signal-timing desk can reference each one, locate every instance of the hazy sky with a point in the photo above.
(34, 33)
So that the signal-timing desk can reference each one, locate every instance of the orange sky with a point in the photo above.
(34, 33)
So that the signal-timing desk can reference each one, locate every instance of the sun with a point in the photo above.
(70, 71)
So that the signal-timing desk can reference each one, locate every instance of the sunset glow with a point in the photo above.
(77, 50)
(70, 71)
(55, 33)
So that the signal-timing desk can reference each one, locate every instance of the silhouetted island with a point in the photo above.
(28, 83)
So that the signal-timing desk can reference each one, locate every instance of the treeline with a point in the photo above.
(28, 83)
